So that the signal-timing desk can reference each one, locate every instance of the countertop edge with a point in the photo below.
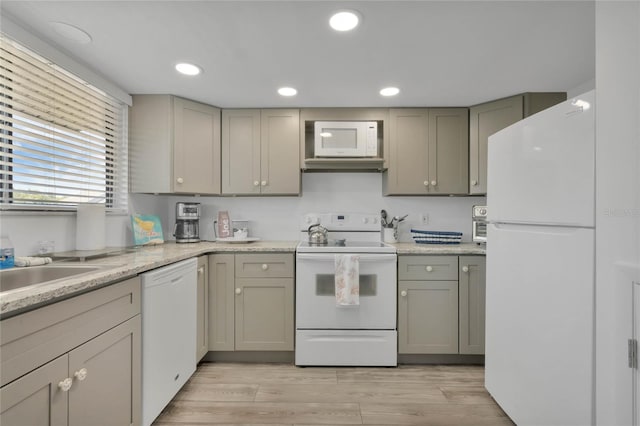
(144, 259)
(124, 266)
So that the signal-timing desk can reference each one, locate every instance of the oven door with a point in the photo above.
(316, 306)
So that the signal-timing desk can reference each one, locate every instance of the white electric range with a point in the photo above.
(327, 333)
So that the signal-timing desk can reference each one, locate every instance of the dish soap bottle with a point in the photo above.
(6, 253)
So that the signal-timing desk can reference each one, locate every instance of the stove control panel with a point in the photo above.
(342, 221)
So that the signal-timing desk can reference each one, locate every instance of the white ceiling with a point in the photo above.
(439, 53)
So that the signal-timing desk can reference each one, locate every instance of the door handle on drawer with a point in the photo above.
(265, 266)
(429, 268)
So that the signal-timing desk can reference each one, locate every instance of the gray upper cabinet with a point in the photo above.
(488, 118)
(174, 146)
(428, 151)
(260, 152)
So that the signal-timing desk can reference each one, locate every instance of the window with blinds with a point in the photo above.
(62, 141)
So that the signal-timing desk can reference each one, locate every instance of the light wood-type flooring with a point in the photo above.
(282, 394)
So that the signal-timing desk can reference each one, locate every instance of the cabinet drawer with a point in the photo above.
(428, 268)
(264, 265)
(31, 339)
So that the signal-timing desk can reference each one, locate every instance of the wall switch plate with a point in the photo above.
(424, 219)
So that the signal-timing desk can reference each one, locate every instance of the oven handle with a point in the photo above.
(319, 257)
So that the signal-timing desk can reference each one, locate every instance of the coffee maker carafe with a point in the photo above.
(187, 225)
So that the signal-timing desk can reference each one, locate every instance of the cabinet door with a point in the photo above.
(472, 304)
(35, 398)
(202, 309)
(485, 120)
(264, 314)
(150, 144)
(448, 150)
(196, 150)
(428, 317)
(280, 151)
(409, 154)
(241, 151)
(221, 302)
(106, 374)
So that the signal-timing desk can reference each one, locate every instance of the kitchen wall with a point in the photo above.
(271, 218)
(277, 218)
(27, 229)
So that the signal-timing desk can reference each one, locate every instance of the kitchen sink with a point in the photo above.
(15, 278)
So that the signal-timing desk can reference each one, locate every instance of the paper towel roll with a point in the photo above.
(90, 227)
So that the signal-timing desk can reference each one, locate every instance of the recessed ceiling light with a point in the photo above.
(287, 91)
(389, 91)
(188, 69)
(70, 32)
(345, 20)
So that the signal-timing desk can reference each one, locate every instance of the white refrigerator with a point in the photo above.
(539, 360)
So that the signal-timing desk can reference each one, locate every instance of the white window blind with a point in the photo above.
(62, 141)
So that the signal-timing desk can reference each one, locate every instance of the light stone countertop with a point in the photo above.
(453, 249)
(142, 259)
(121, 266)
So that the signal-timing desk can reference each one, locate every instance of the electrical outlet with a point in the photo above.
(424, 219)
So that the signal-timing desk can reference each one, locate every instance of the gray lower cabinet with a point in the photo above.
(251, 299)
(428, 317)
(75, 362)
(202, 308)
(261, 151)
(472, 292)
(428, 151)
(488, 118)
(441, 304)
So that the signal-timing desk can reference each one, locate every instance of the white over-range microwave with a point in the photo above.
(346, 139)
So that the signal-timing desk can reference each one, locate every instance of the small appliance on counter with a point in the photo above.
(187, 227)
(479, 224)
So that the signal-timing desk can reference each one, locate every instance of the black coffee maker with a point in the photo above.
(187, 227)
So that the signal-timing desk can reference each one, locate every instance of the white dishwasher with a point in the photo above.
(168, 334)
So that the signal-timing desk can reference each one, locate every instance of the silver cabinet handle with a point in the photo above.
(465, 269)
(429, 268)
(265, 266)
(434, 183)
(256, 183)
(264, 183)
(403, 293)
(425, 183)
(474, 182)
(201, 270)
(238, 290)
(180, 180)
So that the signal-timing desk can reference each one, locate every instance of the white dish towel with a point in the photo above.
(31, 261)
(347, 268)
